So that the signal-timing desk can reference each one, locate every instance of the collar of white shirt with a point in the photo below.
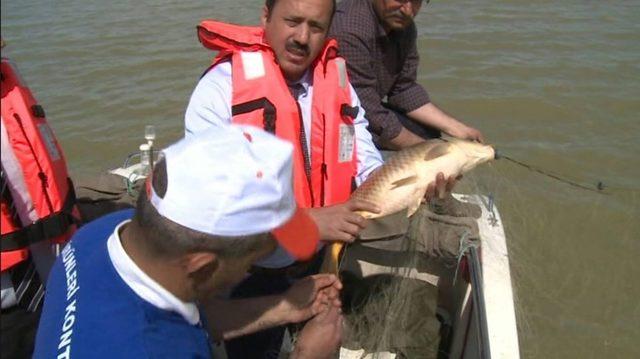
(145, 287)
(304, 81)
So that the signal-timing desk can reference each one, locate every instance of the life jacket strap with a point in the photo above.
(48, 227)
(346, 110)
(270, 113)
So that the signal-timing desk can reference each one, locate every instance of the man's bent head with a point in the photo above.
(296, 31)
(396, 14)
(219, 201)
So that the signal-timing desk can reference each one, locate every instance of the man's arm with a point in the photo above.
(210, 103)
(307, 297)
(431, 115)
(340, 222)
(404, 139)
(406, 93)
(368, 156)
(410, 96)
(321, 336)
(383, 124)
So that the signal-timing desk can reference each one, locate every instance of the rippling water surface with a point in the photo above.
(554, 84)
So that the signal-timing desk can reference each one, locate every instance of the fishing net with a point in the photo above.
(394, 287)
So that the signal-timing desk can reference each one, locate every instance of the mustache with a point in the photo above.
(297, 47)
(400, 14)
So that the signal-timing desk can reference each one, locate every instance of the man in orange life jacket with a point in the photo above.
(287, 78)
(37, 210)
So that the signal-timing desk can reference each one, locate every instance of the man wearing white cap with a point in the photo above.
(135, 285)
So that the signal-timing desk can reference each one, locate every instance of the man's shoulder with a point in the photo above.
(215, 80)
(108, 220)
(86, 306)
(218, 71)
(90, 240)
(99, 317)
(354, 17)
(354, 7)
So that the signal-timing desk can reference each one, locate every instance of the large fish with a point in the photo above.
(402, 181)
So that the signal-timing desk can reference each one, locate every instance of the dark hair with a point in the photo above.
(166, 238)
(271, 3)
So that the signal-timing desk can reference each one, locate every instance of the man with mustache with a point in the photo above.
(287, 78)
(378, 40)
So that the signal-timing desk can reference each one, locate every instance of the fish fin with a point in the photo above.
(404, 181)
(414, 207)
(436, 151)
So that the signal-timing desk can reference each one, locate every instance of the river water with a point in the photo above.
(555, 84)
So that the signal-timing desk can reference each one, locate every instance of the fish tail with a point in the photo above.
(332, 258)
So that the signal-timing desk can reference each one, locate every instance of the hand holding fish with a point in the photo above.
(440, 187)
(465, 132)
(341, 222)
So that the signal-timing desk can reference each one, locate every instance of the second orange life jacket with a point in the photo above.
(38, 201)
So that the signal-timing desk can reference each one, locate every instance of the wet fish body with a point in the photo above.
(402, 181)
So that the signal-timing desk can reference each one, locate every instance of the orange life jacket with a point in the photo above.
(261, 98)
(38, 201)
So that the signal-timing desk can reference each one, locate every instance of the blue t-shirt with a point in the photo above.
(90, 312)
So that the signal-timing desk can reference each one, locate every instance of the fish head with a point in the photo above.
(475, 153)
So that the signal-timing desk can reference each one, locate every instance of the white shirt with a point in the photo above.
(143, 285)
(210, 105)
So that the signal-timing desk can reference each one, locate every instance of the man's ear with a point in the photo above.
(265, 16)
(199, 262)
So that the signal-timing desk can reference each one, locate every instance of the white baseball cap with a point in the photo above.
(235, 181)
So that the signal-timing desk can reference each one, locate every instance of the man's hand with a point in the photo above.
(306, 298)
(433, 116)
(340, 222)
(403, 140)
(311, 295)
(466, 133)
(440, 187)
(321, 336)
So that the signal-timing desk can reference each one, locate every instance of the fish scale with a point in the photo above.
(377, 187)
